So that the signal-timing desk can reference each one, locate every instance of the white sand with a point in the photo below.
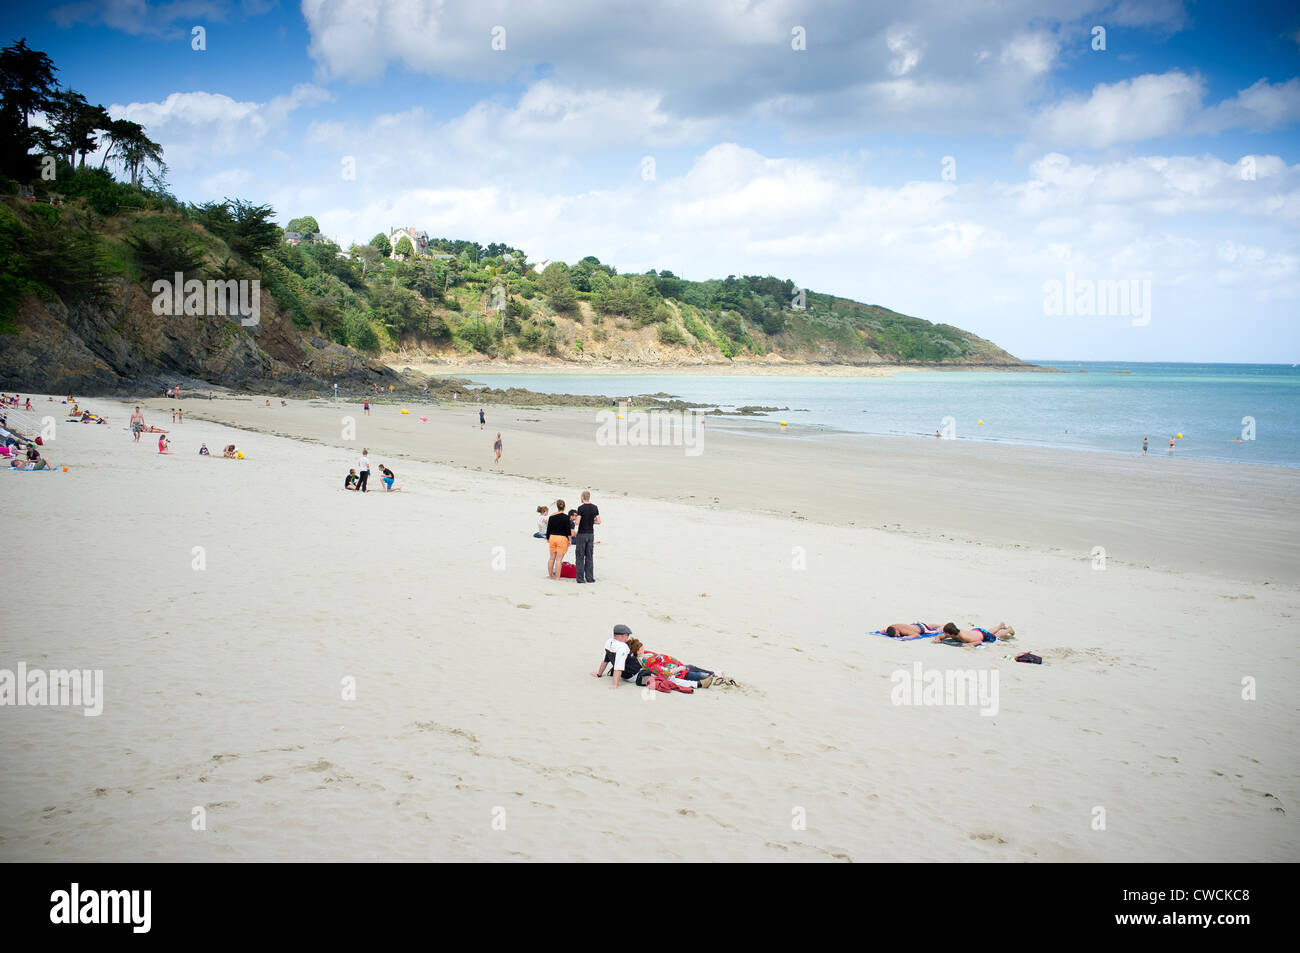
(474, 699)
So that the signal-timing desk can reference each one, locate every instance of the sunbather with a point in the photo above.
(975, 635)
(690, 676)
(904, 630)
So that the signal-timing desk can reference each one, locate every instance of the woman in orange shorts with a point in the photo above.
(558, 530)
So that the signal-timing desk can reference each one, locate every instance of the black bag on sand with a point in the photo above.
(1029, 657)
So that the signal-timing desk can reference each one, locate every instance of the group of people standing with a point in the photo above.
(562, 529)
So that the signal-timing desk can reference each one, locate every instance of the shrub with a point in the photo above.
(671, 334)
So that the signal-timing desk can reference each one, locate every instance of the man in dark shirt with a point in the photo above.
(588, 517)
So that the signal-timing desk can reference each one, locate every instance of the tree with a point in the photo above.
(134, 149)
(555, 286)
(75, 123)
(306, 225)
(27, 86)
(382, 245)
(404, 247)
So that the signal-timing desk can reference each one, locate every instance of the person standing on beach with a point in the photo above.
(366, 408)
(588, 517)
(497, 447)
(482, 419)
(558, 530)
(1144, 446)
(363, 470)
(137, 425)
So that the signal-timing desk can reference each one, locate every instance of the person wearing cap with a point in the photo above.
(618, 655)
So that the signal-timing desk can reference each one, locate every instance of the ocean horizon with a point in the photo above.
(1234, 413)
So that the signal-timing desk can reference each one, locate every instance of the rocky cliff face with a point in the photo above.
(123, 347)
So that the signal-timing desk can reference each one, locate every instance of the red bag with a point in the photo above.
(568, 571)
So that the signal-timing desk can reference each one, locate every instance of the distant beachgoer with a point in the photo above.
(902, 630)
(1171, 444)
(975, 635)
(137, 425)
(350, 481)
(180, 415)
(366, 408)
(389, 478)
(229, 452)
(204, 451)
(29, 404)
(268, 402)
(1144, 446)
(588, 517)
(282, 403)
(173, 415)
(617, 654)
(543, 513)
(363, 470)
(482, 418)
(558, 529)
(497, 447)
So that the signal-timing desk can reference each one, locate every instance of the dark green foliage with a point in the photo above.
(671, 334)
(163, 252)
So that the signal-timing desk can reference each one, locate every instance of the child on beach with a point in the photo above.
(389, 478)
(162, 444)
(350, 481)
(497, 447)
(543, 513)
(203, 451)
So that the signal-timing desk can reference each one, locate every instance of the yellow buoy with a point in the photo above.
(980, 422)
(406, 411)
(1180, 436)
(783, 423)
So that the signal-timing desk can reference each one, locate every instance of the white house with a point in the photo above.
(419, 239)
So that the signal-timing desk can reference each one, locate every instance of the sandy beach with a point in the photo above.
(321, 675)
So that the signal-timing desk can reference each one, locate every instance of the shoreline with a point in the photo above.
(446, 368)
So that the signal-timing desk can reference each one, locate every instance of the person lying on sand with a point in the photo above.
(665, 666)
(229, 452)
(902, 630)
(974, 635)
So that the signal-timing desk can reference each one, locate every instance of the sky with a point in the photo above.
(969, 163)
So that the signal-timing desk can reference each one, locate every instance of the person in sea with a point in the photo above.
(904, 630)
(617, 654)
(1171, 444)
(350, 481)
(204, 451)
(497, 448)
(974, 635)
(389, 478)
(1144, 446)
(558, 530)
(688, 676)
(543, 514)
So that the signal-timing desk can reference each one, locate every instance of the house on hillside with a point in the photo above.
(303, 238)
(419, 239)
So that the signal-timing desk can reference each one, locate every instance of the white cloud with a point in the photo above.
(1145, 107)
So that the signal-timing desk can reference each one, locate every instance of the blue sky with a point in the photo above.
(694, 137)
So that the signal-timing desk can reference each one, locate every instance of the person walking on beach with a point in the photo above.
(482, 419)
(497, 447)
(588, 517)
(558, 530)
(366, 408)
(1144, 446)
(137, 425)
(363, 470)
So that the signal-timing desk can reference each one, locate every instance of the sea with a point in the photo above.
(1238, 413)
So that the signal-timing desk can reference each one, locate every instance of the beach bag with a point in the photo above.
(568, 571)
(1029, 657)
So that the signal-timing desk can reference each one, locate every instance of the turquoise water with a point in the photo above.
(1101, 409)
